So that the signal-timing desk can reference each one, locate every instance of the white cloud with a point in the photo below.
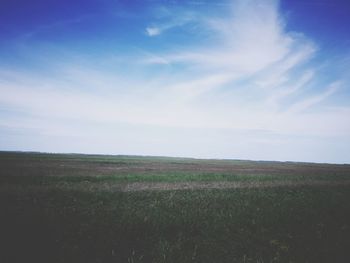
(247, 41)
(308, 102)
(169, 19)
(153, 31)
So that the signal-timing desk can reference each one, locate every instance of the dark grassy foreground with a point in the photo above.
(42, 221)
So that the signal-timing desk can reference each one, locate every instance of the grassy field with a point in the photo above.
(90, 208)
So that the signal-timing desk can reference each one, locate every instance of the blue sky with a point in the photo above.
(241, 79)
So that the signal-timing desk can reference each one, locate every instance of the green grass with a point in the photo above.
(45, 219)
(170, 177)
(44, 169)
(275, 225)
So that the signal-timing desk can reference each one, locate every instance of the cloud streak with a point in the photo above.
(169, 20)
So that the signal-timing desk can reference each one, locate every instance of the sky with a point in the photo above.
(233, 79)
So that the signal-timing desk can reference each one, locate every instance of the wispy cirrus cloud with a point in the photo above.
(315, 99)
(252, 45)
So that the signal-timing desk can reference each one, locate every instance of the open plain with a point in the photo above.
(97, 208)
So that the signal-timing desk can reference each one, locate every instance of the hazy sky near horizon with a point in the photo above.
(241, 79)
